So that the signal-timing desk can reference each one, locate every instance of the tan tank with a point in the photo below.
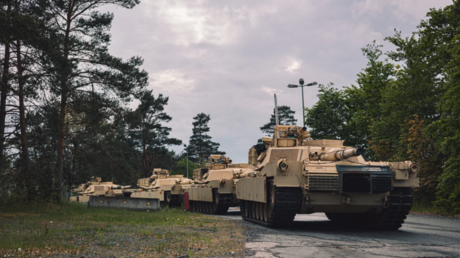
(298, 175)
(163, 186)
(95, 187)
(214, 188)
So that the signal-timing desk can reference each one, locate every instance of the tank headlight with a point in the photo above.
(283, 165)
(414, 167)
(222, 181)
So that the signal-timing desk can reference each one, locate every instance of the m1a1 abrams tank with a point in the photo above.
(214, 188)
(95, 187)
(298, 175)
(163, 186)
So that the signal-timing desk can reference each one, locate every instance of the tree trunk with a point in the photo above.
(4, 84)
(23, 124)
(60, 147)
(64, 90)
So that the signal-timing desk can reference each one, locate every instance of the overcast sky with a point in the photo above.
(227, 58)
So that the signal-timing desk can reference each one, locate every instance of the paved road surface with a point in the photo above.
(315, 236)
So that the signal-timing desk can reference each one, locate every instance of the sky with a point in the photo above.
(227, 58)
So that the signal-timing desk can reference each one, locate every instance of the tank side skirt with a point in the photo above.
(219, 205)
(285, 206)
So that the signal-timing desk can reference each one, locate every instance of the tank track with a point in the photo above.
(176, 200)
(224, 203)
(285, 206)
(400, 203)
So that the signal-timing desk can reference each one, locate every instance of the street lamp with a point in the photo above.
(185, 145)
(301, 82)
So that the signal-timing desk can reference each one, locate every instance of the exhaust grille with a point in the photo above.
(365, 179)
(381, 183)
(323, 183)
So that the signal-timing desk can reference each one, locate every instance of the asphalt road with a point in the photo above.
(315, 236)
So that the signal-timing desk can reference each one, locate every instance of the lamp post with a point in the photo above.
(301, 82)
(185, 145)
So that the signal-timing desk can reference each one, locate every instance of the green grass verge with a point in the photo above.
(75, 229)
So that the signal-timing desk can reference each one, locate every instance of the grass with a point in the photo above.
(73, 229)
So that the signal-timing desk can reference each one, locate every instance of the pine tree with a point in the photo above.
(200, 146)
(78, 63)
(286, 117)
(147, 131)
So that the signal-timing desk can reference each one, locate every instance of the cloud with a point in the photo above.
(293, 65)
(228, 58)
(271, 91)
(170, 81)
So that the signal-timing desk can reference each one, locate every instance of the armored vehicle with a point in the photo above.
(298, 175)
(163, 186)
(95, 187)
(214, 188)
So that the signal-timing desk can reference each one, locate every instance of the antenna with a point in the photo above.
(276, 112)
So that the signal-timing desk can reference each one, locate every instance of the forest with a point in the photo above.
(66, 114)
(66, 110)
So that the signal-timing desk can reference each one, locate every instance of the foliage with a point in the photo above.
(329, 117)
(200, 146)
(365, 100)
(285, 116)
(181, 167)
(447, 133)
(146, 129)
(420, 148)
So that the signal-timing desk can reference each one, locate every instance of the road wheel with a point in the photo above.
(265, 205)
(246, 209)
(271, 198)
(215, 202)
(168, 198)
(262, 211)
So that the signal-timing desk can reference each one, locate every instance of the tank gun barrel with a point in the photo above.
(121, 187)
(341, 154)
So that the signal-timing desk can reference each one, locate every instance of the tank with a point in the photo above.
(163, 186)
(214, 190)
(298, 175)
(95, 187)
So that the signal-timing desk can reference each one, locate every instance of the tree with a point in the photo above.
(329, 118)
(364, 100)
(5, 38)
(200, 145)
(180, 167)
(420, 148)
(285, 116)
(446, 131)
(78, 63)
(147, 131)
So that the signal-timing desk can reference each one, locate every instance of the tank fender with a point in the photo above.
(252, 189)
(287, 181)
